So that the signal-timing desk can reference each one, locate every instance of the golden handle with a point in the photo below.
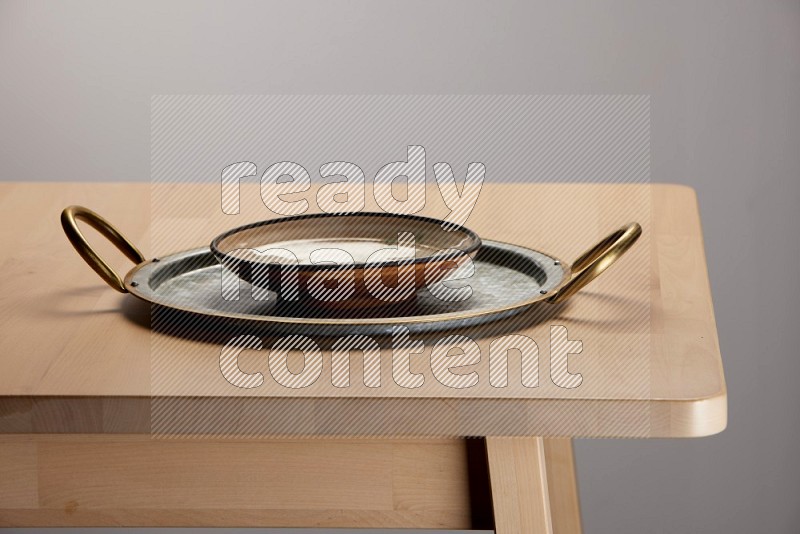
(597, 259)
(69, 218)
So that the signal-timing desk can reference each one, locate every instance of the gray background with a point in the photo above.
(75, 86)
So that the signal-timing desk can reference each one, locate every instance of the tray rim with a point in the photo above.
(134, 287)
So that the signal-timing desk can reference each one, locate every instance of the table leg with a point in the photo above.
(533, 485)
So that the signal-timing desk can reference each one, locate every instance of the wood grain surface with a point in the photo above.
(75, 356)
(132, 480)
(511, 485)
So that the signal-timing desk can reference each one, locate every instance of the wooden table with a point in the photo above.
(76, 385)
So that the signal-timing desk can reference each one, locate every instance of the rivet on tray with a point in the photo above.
(556, 262)
(543, 292)
(156, 260)
(134, 284)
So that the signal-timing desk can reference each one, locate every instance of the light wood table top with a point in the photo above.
(75, 356)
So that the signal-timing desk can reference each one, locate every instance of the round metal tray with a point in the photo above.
(507, 280)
